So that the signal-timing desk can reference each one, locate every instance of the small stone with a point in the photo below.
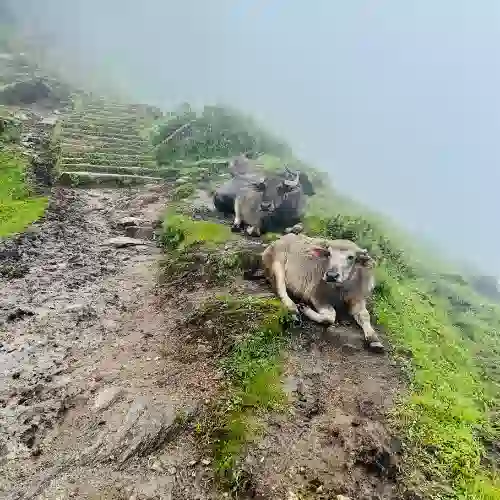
(171, 470)
(342, 497)
(129, 221)
(192, 463)
(319, 489)
(106, 397)
(291, 495)
(36, 451)
(349, 348)
(206, 461)
(156, 466)
(74, 308)
(124, 241)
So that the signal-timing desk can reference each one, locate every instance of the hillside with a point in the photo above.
(139, 363)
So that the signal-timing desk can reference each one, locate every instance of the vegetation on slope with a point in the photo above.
(248, 332)
(18, 206)
(444, 335)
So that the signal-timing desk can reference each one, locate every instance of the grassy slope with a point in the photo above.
(452, 390)
(444, 336)
(18, 208)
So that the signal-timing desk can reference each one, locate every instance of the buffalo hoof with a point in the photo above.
(297, 320)
(235, 228)
(376, 346)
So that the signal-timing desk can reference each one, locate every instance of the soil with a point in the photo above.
(97, 402)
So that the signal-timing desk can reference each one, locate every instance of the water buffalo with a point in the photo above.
(258, 205)
(263, 202)
(323, 274)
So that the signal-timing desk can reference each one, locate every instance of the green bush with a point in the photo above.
(215, 132)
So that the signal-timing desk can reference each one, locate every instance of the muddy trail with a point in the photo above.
(101, 388)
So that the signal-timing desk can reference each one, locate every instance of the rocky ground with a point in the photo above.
(98, 403)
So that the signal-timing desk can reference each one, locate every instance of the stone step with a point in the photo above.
(164, 173)
(103, 139)
(99, 134)
(86, 179)
(109, 154)
(125, 161)
(114, 108)
(92, 121)
(106, 113)
(105, 127)
(101, 148)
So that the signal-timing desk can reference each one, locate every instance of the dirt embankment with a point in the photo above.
(98, 400)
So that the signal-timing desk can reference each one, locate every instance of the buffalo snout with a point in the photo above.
(332, 276)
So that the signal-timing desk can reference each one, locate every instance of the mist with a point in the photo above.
(398, 101)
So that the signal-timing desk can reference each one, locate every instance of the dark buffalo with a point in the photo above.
(264, 203)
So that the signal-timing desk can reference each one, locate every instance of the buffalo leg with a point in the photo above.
(362, 318)
(323, 316)
(253, 231)
(326, 313)
(237, 215)
(279, 280)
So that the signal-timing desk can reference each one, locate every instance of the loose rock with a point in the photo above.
(124, 241)
(107, 397)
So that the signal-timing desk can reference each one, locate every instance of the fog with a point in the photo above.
(397, 100)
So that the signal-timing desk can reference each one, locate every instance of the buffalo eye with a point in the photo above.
(350, 258)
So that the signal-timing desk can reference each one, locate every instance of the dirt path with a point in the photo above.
(80, 333)
(96, 403)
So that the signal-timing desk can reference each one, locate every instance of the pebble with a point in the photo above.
(172, 470)
(74, 308)
(124, 241)
(106, 397)
(156, 466)
(192, 463)
(206, 461)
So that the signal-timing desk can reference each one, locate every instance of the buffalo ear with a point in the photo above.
(320, 252)
(364, 258)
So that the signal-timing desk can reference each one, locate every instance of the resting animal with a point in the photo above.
(323, 274)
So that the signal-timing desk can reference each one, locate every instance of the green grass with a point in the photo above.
(253, 369)
(18, 208)
(180, 231)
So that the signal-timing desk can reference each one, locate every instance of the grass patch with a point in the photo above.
(253, 369)
(18, 208)
(198, 250)
(180, 231)
(183, 191)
